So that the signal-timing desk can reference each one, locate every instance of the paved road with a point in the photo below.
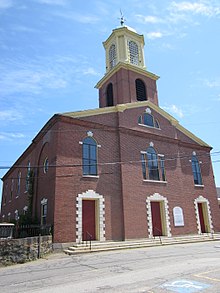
(176, 268)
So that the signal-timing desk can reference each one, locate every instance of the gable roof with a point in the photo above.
(123, 107)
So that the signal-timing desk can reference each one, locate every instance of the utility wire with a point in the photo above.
(173, 158)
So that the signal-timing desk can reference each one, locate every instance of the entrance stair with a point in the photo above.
(96, 246)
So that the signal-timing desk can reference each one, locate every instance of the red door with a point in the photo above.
(156, 218)
(201, 218)
(88, 219)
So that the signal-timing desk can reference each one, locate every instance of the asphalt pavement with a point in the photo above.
(182, 268)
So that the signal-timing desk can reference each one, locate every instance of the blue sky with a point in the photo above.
(51, 57)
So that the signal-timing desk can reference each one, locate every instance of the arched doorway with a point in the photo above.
(158, 216)
(203, 215)
(90, 216)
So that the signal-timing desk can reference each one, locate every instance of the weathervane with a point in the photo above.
(122, 19)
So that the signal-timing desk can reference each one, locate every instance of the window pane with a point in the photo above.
(196, 171)
(140, 120)
(93, 152)
(157, 124)
(148, 120)
(152, 164)
(143, 162)
(85, 167)
(163, 177)
(112, 56)
(85, 151)
(89, 156)
(93, 168)
(133, 50)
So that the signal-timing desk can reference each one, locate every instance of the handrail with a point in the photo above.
(158, 235)
(88, 238)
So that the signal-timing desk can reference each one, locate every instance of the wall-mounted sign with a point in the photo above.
(178, 217)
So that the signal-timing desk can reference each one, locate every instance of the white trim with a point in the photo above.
(148, 126)
(44, 201)
(155, 181)
(202, 199)
(90, 194)
(90, 176)
(160, 198)
(199, 185)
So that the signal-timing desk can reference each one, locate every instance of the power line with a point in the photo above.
(183, 156)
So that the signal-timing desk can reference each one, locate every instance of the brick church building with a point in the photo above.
(126, 170)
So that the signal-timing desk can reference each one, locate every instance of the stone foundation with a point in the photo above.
(25, 249)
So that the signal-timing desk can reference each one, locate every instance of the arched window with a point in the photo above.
(153, 166)
(133, 52)
(18, 183)
(156, 123)
(89, 156)
(148, 119)
(28, 176)
(196, 171)
(109, 95)
(112, 56)
(44, 208)
(46, 165)
(140, 90)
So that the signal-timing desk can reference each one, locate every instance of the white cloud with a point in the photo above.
(81, 18)
(53, 2)
(198, 7)
(90, 71)
(154, 35)
(148, 19)
(213, 83)
(10, 115)
(22, 28)
(174, 110)
(5, 4)
(30, 77)
(10, 136)
(23, 76)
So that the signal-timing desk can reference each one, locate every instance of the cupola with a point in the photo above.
(124, 45)
(126, 79)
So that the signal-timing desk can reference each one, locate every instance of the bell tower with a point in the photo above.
(126, 79)
(126, 46)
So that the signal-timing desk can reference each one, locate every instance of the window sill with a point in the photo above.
(155, 181)
(148, 126)
(17, 196)
(25, 191)
(199, 186)
(90, 176)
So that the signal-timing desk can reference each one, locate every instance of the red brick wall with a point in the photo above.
(43, 146)
(120, 183)
(124, 89)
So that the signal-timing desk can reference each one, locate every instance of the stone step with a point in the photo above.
(140, 243)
